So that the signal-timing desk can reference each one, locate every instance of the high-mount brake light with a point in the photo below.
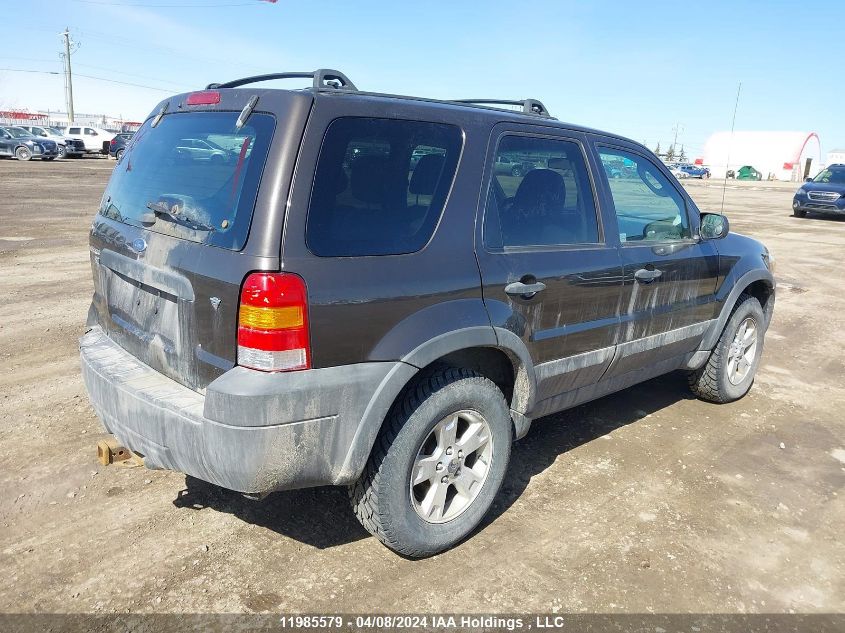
(273, 323)
(205, 97)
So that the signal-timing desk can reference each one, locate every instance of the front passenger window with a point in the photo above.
(648, 207)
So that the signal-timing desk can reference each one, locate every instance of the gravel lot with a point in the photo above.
(644, 501)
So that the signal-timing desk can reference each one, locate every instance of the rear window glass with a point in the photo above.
(380, 186)
(194, 176)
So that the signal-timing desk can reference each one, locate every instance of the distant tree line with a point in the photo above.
(671, 155)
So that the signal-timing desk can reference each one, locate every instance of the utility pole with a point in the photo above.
(677, 127)
(68, 76)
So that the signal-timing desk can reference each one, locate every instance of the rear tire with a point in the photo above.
(23, 153)
(118, 155)
(729, 372)
(422, 438)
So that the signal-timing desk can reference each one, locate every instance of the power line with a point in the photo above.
(168, 6)
(24, 70)
(114, 81)
(111, 70)
(125, 83)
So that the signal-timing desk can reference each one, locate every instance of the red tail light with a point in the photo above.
(206, 97)
(273, 323)
(114, 141)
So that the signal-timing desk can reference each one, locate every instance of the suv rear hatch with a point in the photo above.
(184, 220)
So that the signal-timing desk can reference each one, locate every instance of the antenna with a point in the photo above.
(730, 147)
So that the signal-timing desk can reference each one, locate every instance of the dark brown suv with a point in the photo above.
(357, 296)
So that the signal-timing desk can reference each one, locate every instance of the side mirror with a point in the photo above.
(714, 226)
(808, 179)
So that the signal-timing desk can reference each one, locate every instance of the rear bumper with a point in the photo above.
(252, 431)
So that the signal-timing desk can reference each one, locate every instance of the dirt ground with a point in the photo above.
(644, 501)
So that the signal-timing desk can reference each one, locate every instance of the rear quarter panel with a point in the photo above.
(380, 308)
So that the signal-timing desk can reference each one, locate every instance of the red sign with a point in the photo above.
(21, 115)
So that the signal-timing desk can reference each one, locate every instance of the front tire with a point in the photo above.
(799, 213)
(62, 151)
(437, 464)
(729, 372)
(23, 153)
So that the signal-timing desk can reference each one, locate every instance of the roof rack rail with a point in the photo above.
(324, 79)
(529, 106)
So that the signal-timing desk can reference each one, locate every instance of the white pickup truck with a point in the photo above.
(96, 139)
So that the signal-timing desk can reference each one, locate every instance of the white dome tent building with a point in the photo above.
(777, 155)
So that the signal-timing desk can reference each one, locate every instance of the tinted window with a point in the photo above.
(74, 130)
(202, 197)
(380, 186)
(648, 207)
(540, 195)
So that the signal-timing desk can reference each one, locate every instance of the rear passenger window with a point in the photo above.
(540, 195)
(648, 207)
(380, 186)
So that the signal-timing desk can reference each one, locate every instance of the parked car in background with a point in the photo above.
(511, 166)
(747, 172)
(118, 144)
(309, 315)
(203, 149)
(95, 139)
(70, 147)
(21, 144)
(823, 194)
(693, 171)
(677, 172)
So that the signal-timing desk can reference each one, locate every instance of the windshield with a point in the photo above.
(56, 130)
(18, 132)
(835, 175)
(200, 191)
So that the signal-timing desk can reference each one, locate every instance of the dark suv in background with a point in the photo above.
(823, 194)
(22, 144)
(362, 297)
(117, 146)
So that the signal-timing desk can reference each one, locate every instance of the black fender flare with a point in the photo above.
(525, 386)
(708, 342)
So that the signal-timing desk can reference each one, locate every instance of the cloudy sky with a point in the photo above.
(635, 68)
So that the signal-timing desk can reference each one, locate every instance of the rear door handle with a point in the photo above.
(646, 275)
(526, 291)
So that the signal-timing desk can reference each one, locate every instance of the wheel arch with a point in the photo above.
(760, 283)
(498, 355)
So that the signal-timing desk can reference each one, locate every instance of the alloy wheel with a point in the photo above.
(451, 466)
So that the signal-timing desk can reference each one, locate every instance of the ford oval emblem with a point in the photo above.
(139, 245)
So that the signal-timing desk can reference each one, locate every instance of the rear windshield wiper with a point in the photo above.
(164, 210)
